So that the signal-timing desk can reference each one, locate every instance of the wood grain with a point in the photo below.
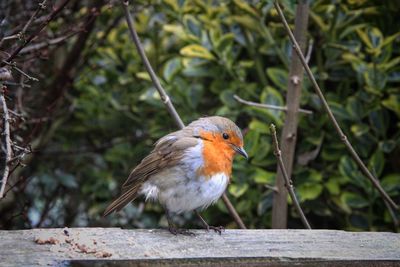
(118, 247)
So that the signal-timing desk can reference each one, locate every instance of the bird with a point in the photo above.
(187, 170)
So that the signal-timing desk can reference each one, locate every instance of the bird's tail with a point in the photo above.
(127, 196)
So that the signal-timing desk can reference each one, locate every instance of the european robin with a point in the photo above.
(188, 170)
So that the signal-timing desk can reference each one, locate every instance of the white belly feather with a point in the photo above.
(180, 189)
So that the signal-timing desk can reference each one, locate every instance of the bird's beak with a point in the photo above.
(241, 151)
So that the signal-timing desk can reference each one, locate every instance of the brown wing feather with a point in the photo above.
(167, 153)
(122, 201)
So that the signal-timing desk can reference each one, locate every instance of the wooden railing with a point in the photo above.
(117, 247)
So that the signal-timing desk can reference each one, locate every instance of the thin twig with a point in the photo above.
(232, 211)
(272, 188)
(342, 136)
(7, 142)
(41, 6)
(44, 44)
(288, 181)
(11, 37)
(14, 66)
(309, 50)
(166, 100)
(164, 97)
(267, 106)
(393, 215)
(36, 33)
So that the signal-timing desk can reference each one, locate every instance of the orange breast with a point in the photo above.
(217, 155)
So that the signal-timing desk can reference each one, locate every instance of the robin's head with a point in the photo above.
(222, 132)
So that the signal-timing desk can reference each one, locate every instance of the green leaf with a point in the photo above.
(176, 30)
(264, 147)
(353, 200)
(309, 191)
(173, 4)
(359, 129)
(262, 176)
(314, 176)
(377, 162)
(194, 95)
(393, 103)
(279, 77)
(196, 51)
(373, 39)
(143, 75)
(192, 25)
(265, 204)
(246, 8)
(355, 108)
(390, 39)
(375, 80)
(251, 140)
(238, 190)
(172, 67)
(272, 96)
(225, 43)
(392, 63)
(379, 121)
(227, 98)
(391, 183)
(339, 111)
(247, 22)
(259, 126)
(333, 186)
(349, 169)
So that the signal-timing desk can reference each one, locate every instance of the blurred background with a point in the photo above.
(94, 114)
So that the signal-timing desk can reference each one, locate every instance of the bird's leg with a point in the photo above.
(217, 229)
(172, 227)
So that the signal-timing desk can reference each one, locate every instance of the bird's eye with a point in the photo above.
(225, 136)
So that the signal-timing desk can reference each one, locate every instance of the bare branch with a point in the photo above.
(288, 181)
(164, 97)
(309, 50)
(14, 66)
(289, 130)
(342, 136)
(233, 212)
(166, 100)
(40, 7)
(267, 106)
(7, 144)
(272, 188)
(36, 33)
(44, 44)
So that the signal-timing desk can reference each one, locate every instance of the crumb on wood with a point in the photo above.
(85, 249)
(66, 232)
(50, 240)
(103, 254)
(74, 244)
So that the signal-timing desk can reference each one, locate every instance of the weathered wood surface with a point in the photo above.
(117, 247)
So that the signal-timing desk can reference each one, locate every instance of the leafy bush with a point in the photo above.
(204, 53)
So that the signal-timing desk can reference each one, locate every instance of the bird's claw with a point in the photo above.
(217, 229)
(179, 231)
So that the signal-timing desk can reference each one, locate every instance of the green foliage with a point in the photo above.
(205, 52)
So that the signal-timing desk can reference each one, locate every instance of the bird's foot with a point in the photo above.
(217, 229)
(180, 231)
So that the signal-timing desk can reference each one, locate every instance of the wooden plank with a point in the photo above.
(118, 247)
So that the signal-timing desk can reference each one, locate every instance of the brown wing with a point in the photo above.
(167, 153)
